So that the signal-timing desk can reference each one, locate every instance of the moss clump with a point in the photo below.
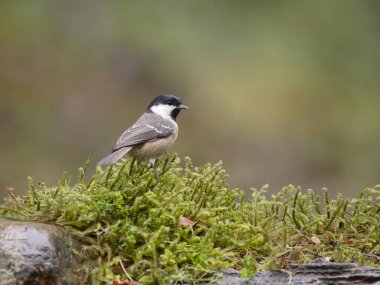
(129, 225)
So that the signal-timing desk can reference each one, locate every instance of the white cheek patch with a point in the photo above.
(163, 110)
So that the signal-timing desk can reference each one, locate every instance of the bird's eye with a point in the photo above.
(170, 102)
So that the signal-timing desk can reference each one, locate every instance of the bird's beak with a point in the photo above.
(183, 106)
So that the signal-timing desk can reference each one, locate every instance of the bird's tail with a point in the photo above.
(114, 156)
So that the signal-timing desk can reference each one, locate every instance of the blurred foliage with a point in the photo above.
(131, 225)
(281, 92)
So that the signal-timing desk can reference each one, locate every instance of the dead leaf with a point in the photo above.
(315, 240)
(285, 261)
(335, 225)
(186, 223)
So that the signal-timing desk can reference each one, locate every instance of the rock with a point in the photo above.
(320, 271)
(34, 253)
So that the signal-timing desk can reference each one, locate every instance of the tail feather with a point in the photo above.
(114, 156)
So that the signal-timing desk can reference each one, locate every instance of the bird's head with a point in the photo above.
(167, 106)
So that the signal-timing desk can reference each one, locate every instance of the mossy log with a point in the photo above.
(35, 253)
(190, 225)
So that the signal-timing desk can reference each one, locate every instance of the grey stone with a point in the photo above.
(35, 253)
(320, 271)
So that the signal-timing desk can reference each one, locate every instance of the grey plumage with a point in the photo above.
(148, 127)
(152, 134)
(114, 156)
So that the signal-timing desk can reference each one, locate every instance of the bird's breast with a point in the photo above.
(154, 148)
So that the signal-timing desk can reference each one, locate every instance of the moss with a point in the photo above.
(129, 226)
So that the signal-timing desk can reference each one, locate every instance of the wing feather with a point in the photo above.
(142, 132)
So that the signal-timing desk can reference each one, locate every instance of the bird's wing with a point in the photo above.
(143, 131)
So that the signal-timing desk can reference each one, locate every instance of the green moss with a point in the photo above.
(124, 217)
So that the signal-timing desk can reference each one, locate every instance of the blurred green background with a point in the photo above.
(281, 91)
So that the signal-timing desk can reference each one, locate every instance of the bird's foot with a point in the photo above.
(152, 162)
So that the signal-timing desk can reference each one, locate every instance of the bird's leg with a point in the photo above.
(152, 162)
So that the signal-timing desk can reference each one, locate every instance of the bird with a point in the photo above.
(151, 135)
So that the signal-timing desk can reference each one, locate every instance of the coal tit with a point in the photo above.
(152, 134)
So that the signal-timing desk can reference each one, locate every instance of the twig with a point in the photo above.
(9, 190)
(290, 276)
(125, 271)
